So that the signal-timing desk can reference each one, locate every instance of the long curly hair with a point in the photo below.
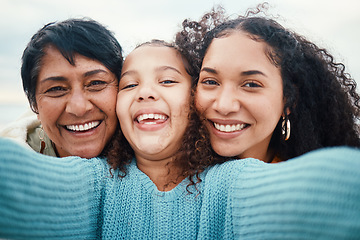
(319, 95)
(195, 152)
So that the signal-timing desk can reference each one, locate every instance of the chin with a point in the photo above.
(87, 154)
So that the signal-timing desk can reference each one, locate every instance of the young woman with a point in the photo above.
(153, 192)
(70, 74)
(267, 92)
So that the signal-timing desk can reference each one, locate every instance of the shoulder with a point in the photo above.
(320, 168)
(316, 194)
(20, 128)
(221, 175)
(232, 167)
(15, 157)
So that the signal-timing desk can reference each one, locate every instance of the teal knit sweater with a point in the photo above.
(315, 196)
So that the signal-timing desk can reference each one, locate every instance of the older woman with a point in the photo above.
(70, 74)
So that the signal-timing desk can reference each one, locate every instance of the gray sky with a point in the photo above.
(330, 24)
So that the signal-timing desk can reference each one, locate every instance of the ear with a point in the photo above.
(287, 112)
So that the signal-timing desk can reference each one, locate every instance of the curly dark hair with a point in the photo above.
(195, 153)
(320, 96)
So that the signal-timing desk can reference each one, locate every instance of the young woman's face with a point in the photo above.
(76, 104)
(240, 93)
(153, 101)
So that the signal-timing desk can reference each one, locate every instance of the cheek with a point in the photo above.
(269, 110)
(200, 101)
(49, 112)
(122, 110)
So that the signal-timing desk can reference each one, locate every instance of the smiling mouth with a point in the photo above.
(230, 127)
(151, 118)
(83, 127)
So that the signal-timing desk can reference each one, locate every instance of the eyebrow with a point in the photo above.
(53, 78)
(252, 72)
(61, 78)
(209, 70)
(245, 73)
(164, 68)
(127, 73)
(93, 72)
(161, 68)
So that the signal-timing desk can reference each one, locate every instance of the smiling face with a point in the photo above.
(153, 101)
(76, 104)
(240, 93)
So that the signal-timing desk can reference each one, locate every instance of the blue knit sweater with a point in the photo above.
(314, 196)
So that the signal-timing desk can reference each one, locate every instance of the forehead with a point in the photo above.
(150, 56)
(238, 44)
(238, 48)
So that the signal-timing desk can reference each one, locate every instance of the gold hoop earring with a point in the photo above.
(285, 128)
(42, 142)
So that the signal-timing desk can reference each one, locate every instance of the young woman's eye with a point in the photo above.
(252, 85)
(209, 82)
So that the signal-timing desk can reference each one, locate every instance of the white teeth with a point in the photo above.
(229, 128)
(150, 116)
(85, 127)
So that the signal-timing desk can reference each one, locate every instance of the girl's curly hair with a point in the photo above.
(319, 95)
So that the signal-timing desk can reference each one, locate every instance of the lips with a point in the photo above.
(83, 127)
(151, 118)
(228, 127)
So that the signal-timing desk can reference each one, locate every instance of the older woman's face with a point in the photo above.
(76, 104)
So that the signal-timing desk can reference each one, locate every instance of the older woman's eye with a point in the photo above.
(97, 85)
(56, 91)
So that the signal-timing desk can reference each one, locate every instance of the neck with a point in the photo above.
(162, 173)
(265, 156)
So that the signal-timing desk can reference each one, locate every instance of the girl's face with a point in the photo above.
(240, 93)
(153, 101)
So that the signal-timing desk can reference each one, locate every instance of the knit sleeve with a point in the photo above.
(43, 197)
(315, 196)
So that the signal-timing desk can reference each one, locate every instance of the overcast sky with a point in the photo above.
(331, 24)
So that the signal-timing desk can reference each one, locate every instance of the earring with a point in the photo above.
(285, 129)
(42, 142)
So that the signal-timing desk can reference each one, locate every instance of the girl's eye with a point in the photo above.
(129, 86)
(168, 81)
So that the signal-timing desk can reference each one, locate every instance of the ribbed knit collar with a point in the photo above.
(145, 181)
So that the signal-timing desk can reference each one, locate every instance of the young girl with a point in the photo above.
(267, 92)
(152, 192)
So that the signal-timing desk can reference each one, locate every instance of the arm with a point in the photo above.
(47, 197)
(315, 196)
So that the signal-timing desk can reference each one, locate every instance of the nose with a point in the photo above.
(227, 101)
(78, 103)
(147, 92)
